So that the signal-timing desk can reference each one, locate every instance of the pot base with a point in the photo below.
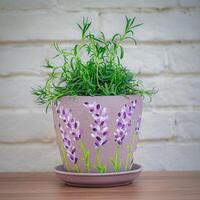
(97, 179)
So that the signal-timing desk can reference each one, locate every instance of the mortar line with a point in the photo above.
(137, 9)
(38, 42)
(140, 76)
(30, 141)
(171, 140)
(59, 8)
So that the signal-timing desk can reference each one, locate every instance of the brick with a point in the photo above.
(104, 4)
(146, 59)
(190, 3)
(77, 5)
(29, 157)
(187, 125)
(25, 5)
(26, 59)
(29, 59)
(141, 58)
(157, 125)
(43, 25)
(174, 91)
(184, 58)
(168, 156)
(16, 91)
(20, 126)
(43, 157)
(158, 26)
(17, 126)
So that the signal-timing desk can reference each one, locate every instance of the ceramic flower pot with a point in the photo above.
(97, 134)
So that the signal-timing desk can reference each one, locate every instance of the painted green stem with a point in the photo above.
(129, 156)
(116, 163)
(86, 154)
(63, 153)
(76, 168)
(99, 167)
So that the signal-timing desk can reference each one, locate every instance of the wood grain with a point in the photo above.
(149, 186)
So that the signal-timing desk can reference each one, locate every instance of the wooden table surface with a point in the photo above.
(149, 186)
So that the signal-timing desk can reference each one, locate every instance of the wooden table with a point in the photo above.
(149, 186)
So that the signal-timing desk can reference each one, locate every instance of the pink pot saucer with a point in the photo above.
(98, 180)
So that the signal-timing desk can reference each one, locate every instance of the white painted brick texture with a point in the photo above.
(169, 156)
(26, 4)
(184, 58)
(125, 4)
(22, 126)
(167, 56)
(26, 157)
(165, 26)
(173, 91)
(42, 25)
(72, 5)
(155, 58)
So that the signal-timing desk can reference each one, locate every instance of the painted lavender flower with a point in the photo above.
(69, 121)
(124, 121)
(73, 125)
(99, 130)
(137, 128)
(70, 149)
(130, 149)
(99, 127)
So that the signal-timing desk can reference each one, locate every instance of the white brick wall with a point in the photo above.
(168, 56)
(25, 125)
(42, 25)
(26, 4)
(166, 25)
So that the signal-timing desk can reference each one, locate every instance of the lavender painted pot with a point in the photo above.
(97, 134)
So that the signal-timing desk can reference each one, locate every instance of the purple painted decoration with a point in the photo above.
(69, 121)
(137, 128)
(124, 121)
(99, 126)
(109, 138)
(70, 149)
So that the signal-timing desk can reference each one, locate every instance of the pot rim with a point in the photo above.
(106, 96)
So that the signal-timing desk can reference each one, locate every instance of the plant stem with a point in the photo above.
(98, 157)
(99, 167)
(63, 153)
(129, 156)
(97, 76)
(76, 168)
(86, 154)
(116, 163)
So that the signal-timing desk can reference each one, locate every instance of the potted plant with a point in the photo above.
(96, 102)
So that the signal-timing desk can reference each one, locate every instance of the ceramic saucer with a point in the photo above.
(98, 179)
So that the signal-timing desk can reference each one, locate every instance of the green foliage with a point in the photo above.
(102, 74)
